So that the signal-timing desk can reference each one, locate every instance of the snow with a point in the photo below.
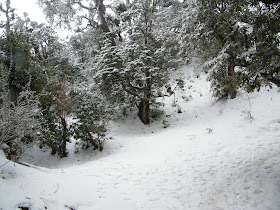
(214, 155)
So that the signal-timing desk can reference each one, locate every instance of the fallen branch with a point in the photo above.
(5, 164)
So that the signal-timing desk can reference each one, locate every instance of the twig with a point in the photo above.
(24, 164)
(56, 189)
(5, 164)
(250, 112)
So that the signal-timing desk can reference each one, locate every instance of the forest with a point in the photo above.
(119, 58)
(145, 104)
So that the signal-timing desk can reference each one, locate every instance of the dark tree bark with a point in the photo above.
(100, 145)
(144, 111)
(233, 80)
(97, 143)
(14, 92)
(63, 104)
(103, 23)
(144, 105)
(92, 141)
(62, 149)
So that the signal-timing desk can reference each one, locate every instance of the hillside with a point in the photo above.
(213, 155)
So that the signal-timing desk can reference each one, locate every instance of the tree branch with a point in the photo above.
(137, 88)
(90, 22)
(272, 79)
(83, 6)
(219, 36)
(2, 10)
(126, 90)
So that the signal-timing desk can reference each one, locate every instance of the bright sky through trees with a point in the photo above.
(35, 13)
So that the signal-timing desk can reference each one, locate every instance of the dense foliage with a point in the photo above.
(243, 39)
(120, 57)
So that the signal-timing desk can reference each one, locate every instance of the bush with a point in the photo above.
(91, 118)
(19, 121)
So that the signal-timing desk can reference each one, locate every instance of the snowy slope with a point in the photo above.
(214, 155)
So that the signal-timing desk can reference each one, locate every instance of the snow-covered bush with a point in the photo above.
(19, 123)
(91, 118)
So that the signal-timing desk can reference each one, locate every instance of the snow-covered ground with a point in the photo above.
(214, 155)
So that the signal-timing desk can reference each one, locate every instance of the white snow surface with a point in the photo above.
(214, 155)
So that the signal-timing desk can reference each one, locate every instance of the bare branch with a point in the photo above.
(90, 22)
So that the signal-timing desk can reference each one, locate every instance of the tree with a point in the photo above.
(129, 51)
(265, 58)
(22, 80)
(91, 118)
(19, 120)
(32, 56)
(20, 47)
(15, 47)
(226, 36)
(56, 104)
(9, 15)
(136, 71)
(33, 59)
(238, 38)
(79, 14)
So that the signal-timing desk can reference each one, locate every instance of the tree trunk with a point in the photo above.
(7, 13)
(101, 10)
(92, 142)
(232, 88)
(144, 111)
(62, 149)
(14, 93)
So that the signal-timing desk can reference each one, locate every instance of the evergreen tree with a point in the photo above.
(33, 58)
(20, 120)
(136, 71)
(222, 29)
(9, 14)
(56, 104)
(91, 118)
(131, 51)
(236, 38)
(264, 59)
